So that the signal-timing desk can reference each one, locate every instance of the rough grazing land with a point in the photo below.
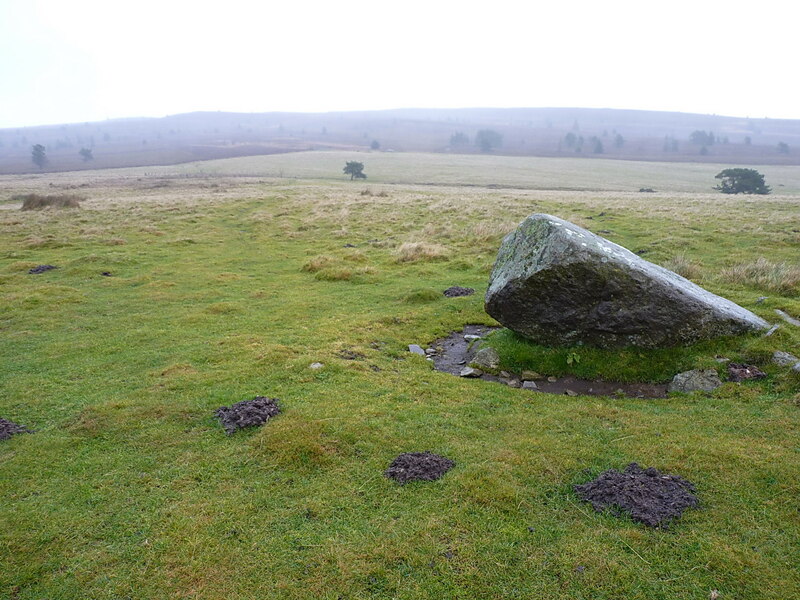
(129, 489)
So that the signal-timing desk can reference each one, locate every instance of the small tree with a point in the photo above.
(741, 181)
(783, 147)
(488, 139)
(86, 154)
(459, 138)
(619, 141)
(38, 155)
(702, 138)
(375, 145)
(355, 170)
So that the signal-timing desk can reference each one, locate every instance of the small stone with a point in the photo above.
(796, 368)
(430, 351)
(570, 393)
(784, 359)
(552, 379)
(722, 359)
(529, 385)
(416, 349)
(505, 374)
(696, 380)
(772, 330)
(316, 365)
(529, 375)
(487, 358)
(471, 337)
(470, 372)
(789, 319)
(761, 299)
(515, 383)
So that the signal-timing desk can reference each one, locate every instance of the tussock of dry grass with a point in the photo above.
(485, 231)
(781, 277)
(323, 261)
(683, 266)
(420, 251)
(40, 202)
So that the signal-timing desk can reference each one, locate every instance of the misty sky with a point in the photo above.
(84, 60)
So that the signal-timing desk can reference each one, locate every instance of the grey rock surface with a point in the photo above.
(697, 380)
(784, 359)
(470, 372)
(529, 385)
(416, 349)
(486, 358)
(789, 319)
(559, 284)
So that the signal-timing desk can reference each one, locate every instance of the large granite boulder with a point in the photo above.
(559, 284)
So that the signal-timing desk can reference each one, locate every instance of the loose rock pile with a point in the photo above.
(248, 413)
(645, 494)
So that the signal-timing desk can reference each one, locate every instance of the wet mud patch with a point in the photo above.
(647, 495)
(247, 413)
(456, 291)
(41, 269)
(455, 352)
(418, 466)
(9, 428)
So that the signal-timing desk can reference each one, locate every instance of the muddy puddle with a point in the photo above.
(455, 352)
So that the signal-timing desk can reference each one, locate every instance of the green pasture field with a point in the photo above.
(227, 279)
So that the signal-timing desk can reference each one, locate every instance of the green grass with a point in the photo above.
(130, 489)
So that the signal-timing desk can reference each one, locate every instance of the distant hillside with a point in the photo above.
(606, 133)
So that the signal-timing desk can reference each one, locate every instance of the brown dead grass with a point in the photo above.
(421, 251)
(40, 202)
(781, 277)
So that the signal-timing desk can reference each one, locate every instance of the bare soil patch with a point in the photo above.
(456, 290)
(247, 413)
(422, 466)
(647, 495)
(41, 269)
(738, 372)
(9, 428)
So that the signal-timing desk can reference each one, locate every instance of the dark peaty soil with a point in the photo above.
(8, 428)
(455, 291)
(40, 269)
(645, 494)
(423, 466)
(737, 372)
(247, 413)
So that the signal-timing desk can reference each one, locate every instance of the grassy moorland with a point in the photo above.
(228, 279)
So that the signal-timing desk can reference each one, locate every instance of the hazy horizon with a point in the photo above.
(92, 61)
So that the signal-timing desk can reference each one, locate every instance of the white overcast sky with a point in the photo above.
(82, 60)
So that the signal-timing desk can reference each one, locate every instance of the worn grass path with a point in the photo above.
(225, 288)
